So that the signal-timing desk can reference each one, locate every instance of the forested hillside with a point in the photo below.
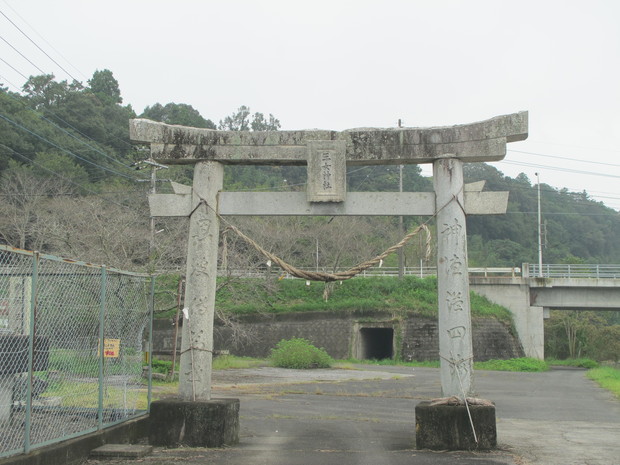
(73, 185)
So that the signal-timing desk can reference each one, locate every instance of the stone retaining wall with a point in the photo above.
(414, 338)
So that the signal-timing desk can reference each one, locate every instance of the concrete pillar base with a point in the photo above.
(447, 427)
(209, 423)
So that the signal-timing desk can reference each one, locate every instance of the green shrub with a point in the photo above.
(299, 353)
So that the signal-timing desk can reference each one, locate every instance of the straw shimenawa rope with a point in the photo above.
(340, 276)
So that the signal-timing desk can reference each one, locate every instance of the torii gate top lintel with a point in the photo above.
(482, 141)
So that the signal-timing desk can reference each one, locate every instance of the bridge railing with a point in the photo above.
(420, 272)
(533, 270)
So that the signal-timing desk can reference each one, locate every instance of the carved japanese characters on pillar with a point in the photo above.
(453, 229)
(455, 301)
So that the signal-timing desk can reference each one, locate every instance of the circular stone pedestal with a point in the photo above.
(447, 427)
(208, 423)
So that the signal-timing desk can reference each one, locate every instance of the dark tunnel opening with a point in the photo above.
(377, 343)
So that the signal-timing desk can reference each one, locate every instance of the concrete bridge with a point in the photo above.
(532, 295)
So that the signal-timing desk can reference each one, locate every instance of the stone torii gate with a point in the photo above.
(327, 155)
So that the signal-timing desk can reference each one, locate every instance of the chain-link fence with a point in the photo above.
(72, 343)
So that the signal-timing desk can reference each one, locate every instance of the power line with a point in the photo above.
(588, 203)
(10, 121)
(81, 141)
(36, 45)
(578, 146)
(558, 213)
(8, 82)
(22, 55)
(70, 110)
(13, 68)
(43, 38)
(40, 70)
(565, 158)
(555, 168)
(64, 178)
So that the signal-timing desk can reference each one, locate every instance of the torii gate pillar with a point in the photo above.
(197, 333)
(455, 341)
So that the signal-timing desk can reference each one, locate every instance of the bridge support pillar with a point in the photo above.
(514, 294)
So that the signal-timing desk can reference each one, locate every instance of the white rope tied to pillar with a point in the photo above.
(191, 352)
(454, 365)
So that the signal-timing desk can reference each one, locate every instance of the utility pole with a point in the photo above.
(317, 254)
(540, 271)
(401, 252)
(154, 167)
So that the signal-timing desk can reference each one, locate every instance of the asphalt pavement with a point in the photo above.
(366, 416)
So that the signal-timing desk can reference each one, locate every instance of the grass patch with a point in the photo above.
(409, 295)
(515, 364)
(524, 364)
(608, 378)
(574, 362)
(86, 363)
(227, 362)
(86, 395)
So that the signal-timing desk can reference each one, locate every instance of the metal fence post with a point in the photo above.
(150, 345)
(31, 336)
(102, 309)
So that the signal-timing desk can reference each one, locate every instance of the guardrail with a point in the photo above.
(529, 270)
(533, 270)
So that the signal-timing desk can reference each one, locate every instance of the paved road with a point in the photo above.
(366, 416)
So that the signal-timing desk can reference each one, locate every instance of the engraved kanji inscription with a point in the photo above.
(457, 332)
(455, 265)
(455, 301)
(452, 229)
(326, 170)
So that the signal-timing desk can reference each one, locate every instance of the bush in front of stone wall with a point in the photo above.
(299, 353)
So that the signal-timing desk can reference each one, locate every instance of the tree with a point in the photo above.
(576, 334)
(24, 198)
(70, 176)
(238, 121)
(44, 92)
(99, 229)
(105, 87)
(177, 113)
(82, 112)
(260, 123)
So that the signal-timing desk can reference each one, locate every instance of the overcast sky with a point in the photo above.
(345, 64)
